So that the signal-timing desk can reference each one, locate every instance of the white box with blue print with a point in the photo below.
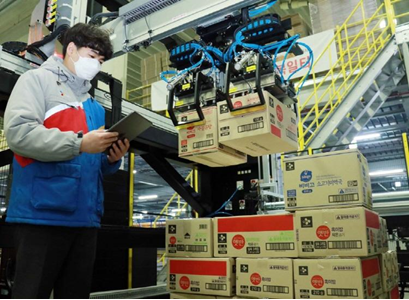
(335, 179)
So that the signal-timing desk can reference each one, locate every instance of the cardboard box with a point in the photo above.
(394, 267)
(151, 66)
(337, 278)
(384, 236)
(255, 236)
(208, 276)
(298, 25)
(201, 143)
(394, 293)
(192, 296)
(265, 278)
(272, 129)
(189, 238)
(340, 231)
(388, 283)
(334, 179)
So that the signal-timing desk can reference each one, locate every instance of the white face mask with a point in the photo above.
(85, 67)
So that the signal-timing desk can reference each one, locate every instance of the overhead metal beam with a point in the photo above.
(168, 21)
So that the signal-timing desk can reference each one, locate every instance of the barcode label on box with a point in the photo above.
(291, 135)
(209, 136)
(343, 198)
(250, 127)
(216, 287)
(280, 246)
(195, 248)
(203, 144)
(342, 292)
(345, 245)
(203, 226)
(276, 289)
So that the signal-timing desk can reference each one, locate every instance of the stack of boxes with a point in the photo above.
(329, 246)
(225, 138)
(342, 243)
(298, 25)
(151, 67)
(200, 143)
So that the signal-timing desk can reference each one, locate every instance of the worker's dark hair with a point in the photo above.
(91, 36)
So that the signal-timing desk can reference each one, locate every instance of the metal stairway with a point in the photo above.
(363, 101)
(335, 107)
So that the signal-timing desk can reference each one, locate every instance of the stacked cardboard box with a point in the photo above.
(151, 67)
(298, 25)
(200, 143)
(262, 130)
(192, 268)
(327, 14)
(331, 196)
(326, 250)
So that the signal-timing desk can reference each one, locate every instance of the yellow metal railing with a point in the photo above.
(165, 209)
(358, 44)
(406, 151)
(129, 95)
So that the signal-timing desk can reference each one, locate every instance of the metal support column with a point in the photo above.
(406, 151)
(156, 160)
(131, 165)
(405, 53)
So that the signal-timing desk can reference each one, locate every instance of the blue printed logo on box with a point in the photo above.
(306, 176)
(308, 191)
(292, 193)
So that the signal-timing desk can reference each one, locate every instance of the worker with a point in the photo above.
(56, 131)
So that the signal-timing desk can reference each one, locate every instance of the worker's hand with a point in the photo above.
(118, 151)
(98, 141)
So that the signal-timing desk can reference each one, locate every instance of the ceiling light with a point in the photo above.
(148, 197)
(144, 211)
(147, 183)
(382, 24)
(3, 209)
(134, 171)
(367, 137)
(179, 210)
(386, 172)
(398, 184)
(353, 146)
(139, 217)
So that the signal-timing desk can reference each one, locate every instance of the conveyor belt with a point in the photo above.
(149, 292)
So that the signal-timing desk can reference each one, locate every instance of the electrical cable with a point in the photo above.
(257, 11)
(110, 15)
(218, 211)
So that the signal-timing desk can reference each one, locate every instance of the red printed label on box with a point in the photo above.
(184, 282)
(317, 281)
(372, 219)
(256, 224)
(369, 287)
(172, 240)
(237, 104)
(255, 278)
(198, 267)
(276, 131)
(323, 232)
(238, 241)
(370, 267)
(280, 115)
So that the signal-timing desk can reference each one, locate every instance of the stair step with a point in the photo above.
(358, 108)
(344, 125)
